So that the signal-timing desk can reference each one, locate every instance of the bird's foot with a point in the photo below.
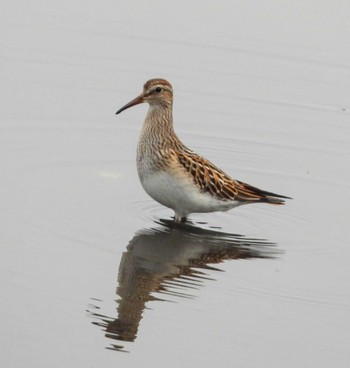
(180, 219)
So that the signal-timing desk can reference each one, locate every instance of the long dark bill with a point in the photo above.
(135, 101)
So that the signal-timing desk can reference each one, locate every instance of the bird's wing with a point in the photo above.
(210, 179)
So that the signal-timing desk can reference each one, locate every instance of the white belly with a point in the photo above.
(181, 194)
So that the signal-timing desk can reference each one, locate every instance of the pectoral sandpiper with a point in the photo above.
(174, 175)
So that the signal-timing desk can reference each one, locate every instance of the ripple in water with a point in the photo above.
(169, 262)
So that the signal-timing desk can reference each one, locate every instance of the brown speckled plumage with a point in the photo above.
(167, 167)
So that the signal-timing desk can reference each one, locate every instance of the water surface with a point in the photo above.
(91, 265)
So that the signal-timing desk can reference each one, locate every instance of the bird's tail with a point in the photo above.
(262, 195)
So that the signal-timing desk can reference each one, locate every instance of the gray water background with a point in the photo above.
(263, 91)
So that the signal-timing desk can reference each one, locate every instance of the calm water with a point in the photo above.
(94, 273)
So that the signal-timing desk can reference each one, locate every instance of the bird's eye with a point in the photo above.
(158, 89)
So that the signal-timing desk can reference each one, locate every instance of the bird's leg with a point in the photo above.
(180, 219)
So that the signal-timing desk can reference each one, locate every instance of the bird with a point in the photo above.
(174, 175)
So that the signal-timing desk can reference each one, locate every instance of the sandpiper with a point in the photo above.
(174, 175)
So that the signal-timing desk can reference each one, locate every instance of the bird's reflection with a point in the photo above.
(170, 259)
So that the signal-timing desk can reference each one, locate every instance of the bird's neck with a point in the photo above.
(158, 126)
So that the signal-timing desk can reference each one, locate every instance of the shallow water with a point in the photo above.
(92, 267)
